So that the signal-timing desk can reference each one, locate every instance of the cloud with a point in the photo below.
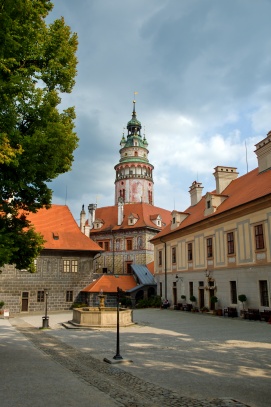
(202, 73)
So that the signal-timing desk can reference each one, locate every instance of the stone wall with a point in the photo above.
(50, 275)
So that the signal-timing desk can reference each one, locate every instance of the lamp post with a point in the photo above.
(45, 319)
(118, 355)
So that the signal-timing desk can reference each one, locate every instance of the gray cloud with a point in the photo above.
(202, 73)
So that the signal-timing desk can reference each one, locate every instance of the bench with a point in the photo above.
(231, 312)
(187, 307)
(252, 314)
(265, 315)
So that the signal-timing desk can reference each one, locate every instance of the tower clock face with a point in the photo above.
(120, 199)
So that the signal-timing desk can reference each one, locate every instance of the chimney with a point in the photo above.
(195, 193)
(120, 211)
(223, 177)
(91, 214)
(82, 219)
(263, 152)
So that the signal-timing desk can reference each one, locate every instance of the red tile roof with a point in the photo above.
(110, 283)
(59, 222)
(143, 211)
(242, 190)
(150, 267)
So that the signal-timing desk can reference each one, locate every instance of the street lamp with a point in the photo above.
(45, 319)
(118, 355)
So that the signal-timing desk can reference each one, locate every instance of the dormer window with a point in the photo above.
(156, 219)
(132, 219)
(208, 204)
(173, 220)
(97, 224)
(55, 236)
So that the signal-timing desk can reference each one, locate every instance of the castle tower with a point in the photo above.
(134, 183)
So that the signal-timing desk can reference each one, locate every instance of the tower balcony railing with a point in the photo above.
(127, 176)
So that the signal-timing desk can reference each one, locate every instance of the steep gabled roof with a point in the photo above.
(144, 276)
(109, 283)
(60, 230)
(242, 190)
(142, 211)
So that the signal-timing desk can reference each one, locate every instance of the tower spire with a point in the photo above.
(134, 182)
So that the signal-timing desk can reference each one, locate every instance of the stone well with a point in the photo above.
(101, 317)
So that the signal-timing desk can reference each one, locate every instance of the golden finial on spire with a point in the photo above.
(135, 93)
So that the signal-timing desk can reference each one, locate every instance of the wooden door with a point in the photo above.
(25, 295)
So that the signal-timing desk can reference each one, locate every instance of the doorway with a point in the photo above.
(174, 293)
(201, 298)
(25, 297)
(212, 304)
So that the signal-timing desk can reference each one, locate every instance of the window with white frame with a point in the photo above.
(70, 266)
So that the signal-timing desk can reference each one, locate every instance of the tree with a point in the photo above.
(37, 140)
(242, 298)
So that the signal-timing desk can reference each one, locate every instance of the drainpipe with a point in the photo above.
(165, 246)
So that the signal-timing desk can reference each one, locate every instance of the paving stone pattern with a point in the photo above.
(123, 387)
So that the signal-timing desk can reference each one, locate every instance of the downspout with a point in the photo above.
(165, 245)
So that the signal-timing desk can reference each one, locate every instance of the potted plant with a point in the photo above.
(242, 298)
(183, 297)
(193, 300)
(214, 300)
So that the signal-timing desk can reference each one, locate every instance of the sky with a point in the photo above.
(202, 70)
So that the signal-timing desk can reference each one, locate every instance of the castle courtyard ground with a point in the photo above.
(179, 359)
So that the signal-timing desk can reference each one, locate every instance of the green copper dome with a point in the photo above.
(134, 124)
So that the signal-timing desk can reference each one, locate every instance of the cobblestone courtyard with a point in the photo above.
(179, 358)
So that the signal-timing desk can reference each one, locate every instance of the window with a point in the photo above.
(264, 293)
(40, 296)
(191, 289)
(208, 204)
(69, 296)
(129, 244)
(66, 266)
(161, 289)
(160, 258)
(189, 252)
(259, 241)
(210, 247)
(129, 267)
(104, 245)
(230, 243)
(173, 255)
(74, 265)
(70, 266)
(233, 292)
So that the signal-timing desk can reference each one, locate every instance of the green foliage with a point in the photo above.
(242, 298)
(152, 302)
(37, 140)
(193, 298)
(2, 304)
(183, 297)
(126, 301)
(214, 299)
